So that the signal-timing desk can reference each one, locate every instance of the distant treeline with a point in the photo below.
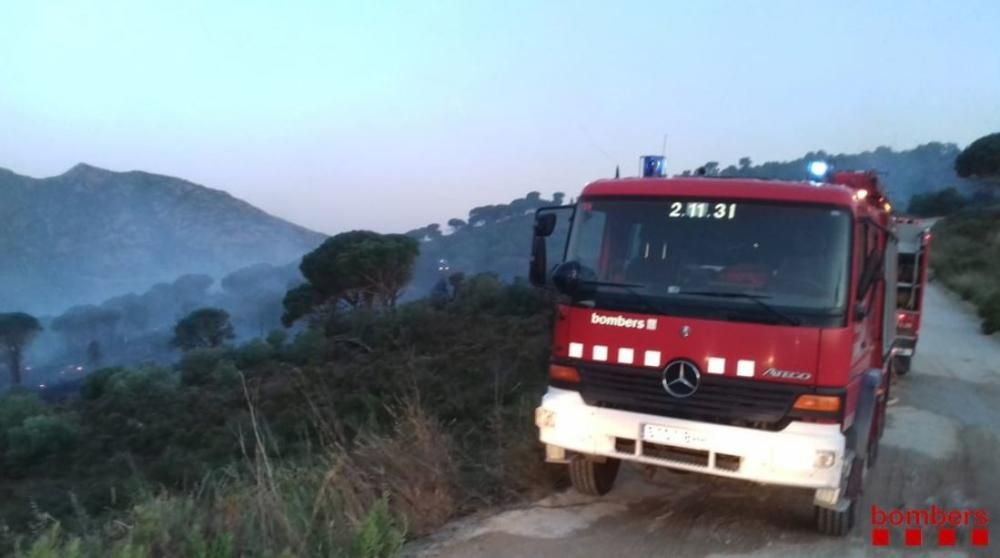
(906, 173)
(137, 328)
(493, 239)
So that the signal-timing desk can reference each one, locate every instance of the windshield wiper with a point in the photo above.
(748, 296)
(629, 288)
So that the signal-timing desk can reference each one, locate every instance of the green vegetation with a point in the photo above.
(17, 330)
(136, 329)
(966, 257)
(981, 159)
(936, 204)
(374, 424)
(358, 269)
(205, 328)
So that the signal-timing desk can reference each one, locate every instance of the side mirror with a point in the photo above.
(545, 223)
(860, 312)
(538, 268)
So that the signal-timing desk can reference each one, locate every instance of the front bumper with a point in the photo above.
(806, 455)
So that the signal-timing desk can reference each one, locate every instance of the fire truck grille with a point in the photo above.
(732, 401)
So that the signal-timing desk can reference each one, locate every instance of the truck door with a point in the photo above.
(867, 308)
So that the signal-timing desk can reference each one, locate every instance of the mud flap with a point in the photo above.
(855, 480)
(857, 439)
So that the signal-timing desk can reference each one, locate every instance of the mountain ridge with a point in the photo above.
(91, 233)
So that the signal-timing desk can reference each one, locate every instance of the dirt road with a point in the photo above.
(940, 447)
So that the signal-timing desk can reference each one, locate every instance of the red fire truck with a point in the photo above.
(914, 254)
(733, 327)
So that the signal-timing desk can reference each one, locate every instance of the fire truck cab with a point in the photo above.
(731, 327)
(914, 254)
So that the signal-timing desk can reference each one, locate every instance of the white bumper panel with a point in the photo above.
(804, 454)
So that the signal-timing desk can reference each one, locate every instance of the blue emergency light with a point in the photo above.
(819, 169)
(653, 166)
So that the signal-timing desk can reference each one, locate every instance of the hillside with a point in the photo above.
(90, 234)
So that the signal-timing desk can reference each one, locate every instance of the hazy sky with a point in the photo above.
(390, 115)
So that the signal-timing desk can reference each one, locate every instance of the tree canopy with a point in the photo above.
(358, 269)
(204, 328)
(17, 330)
(981, 159)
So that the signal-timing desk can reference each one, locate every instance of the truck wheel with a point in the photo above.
(901, 364)
(591, 477)
(835, 523)
(838, 522)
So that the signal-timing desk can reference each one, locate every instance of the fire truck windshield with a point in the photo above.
(720, 259)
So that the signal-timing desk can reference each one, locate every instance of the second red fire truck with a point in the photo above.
(914, 255)
(733, 327)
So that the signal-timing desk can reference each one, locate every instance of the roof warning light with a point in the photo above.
(819, 169)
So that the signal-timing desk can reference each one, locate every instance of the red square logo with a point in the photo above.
(880, 537)
(913, 537)
(980, 537)
(946, 537)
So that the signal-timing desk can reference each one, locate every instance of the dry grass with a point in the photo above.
(413, 468)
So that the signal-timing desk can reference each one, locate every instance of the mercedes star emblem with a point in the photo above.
(681, 378)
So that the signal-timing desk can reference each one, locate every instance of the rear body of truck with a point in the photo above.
(914, 256)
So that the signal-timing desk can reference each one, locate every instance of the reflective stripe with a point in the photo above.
(600, 353)
(652, 358)
(716, 365)
(625, 355)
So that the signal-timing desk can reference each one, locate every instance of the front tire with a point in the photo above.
(836, 523)
(591, 477)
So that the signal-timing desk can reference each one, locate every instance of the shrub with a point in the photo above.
(411, 470)
(276, 339)
(253, 354)
(308, 347)
(966, 257)
(17, 406)
(989, 311)
(941, 202)
(380, 536)
(52, 544)
(198, 366)
(39, 437)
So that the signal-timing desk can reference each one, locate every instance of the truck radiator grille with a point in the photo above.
(732, 401)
